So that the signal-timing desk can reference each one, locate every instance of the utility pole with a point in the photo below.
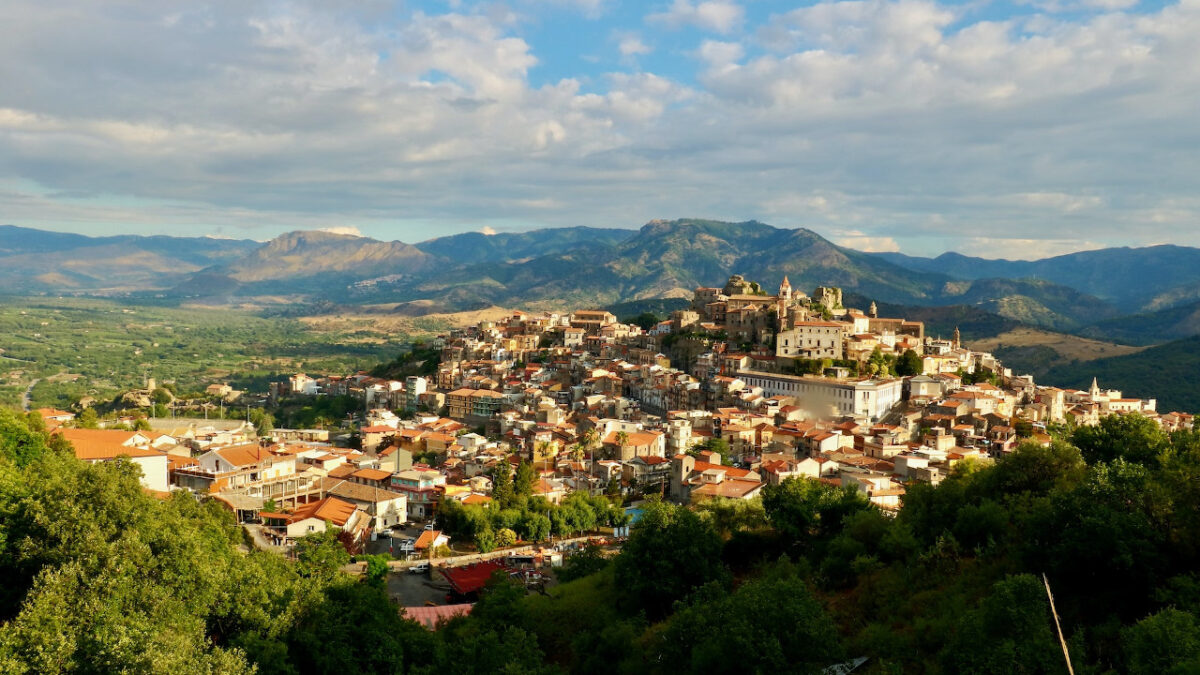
(1058, 626)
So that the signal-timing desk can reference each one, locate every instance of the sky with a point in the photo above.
(1019, 129)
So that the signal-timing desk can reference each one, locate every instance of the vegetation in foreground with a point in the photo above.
(103, 577)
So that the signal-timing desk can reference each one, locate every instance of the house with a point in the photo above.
(101, 445)
(423, 488)
(431, 540)
(314, 517)
(385, 508)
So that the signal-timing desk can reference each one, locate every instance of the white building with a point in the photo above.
(870, 400)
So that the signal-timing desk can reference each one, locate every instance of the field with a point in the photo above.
(75, 347)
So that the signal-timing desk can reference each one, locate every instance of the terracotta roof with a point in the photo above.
(427, 538)
(373, 474)
(730, 489)
(97, 444)
(243, 455)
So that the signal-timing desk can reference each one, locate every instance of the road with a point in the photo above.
(27, 399)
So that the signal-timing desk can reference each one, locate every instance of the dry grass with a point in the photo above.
(1069, 347)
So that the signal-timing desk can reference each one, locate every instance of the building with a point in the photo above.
(812, 340)
(869, 400)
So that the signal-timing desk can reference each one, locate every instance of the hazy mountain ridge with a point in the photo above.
(1141, 277)
(38, 261)
(477, 247)
(580, 266)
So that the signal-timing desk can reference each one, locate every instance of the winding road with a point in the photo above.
(26, 400)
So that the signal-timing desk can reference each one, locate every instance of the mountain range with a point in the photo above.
(1030, 310)
(1135, 295)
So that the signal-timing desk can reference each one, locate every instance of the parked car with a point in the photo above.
(429, 526)
(422, 568)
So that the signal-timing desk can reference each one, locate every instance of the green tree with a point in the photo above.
(524, 480)
(775, 612)
(377, 570)
(671, 551)
(909, 363)
(18, 442)
(321, 554)
(1010, 632)
(505, 537)
(502, 484)
(1133, 437)
(1166, 642)
(88, 419)
(803, 508)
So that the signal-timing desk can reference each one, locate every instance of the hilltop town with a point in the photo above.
(741, 390)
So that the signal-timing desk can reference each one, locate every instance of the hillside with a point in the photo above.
(1029, 350)
(38, 261)
(1143, 277)
(1151, 327)
(476, 247)
(1162, 372)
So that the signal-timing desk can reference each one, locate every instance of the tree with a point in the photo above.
(502, 483)
(377, 570)
(671, 552)
(321, 554)
(18, 443)
(909, 363)
(1010, 632)
(1133, 437)
(776, 613)
(524, 480)
(505, 538)
(1167, 642)
(803, 508)
(88, 419)
(645, 320)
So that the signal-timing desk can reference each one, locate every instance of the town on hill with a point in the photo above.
(546, 447)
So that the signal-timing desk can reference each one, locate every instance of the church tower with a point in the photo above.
(873, 312)
(957, 338)
(1095, 390)
(782, 302)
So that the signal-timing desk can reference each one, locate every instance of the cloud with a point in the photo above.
(717, 16)
(869, 244)
(344, 229)
(632, 45)
(487, 230)
(906, 119)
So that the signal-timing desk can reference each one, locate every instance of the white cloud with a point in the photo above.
(489, 231)
(344, 229)
(908, 120)
(632, 45)
(718, 16)
(869, 244)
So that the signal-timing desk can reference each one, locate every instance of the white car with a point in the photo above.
(422, 568)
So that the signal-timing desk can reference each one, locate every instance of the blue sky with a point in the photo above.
(1019, 129)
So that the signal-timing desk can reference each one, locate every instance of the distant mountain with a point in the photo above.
(565, 267)
(1132, 277)
(1159, 372)
(671, 258)
(38, 261)
(476, 247)
(316, 263)
(1150, 327)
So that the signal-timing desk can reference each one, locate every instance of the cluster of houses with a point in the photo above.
(596, 405)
